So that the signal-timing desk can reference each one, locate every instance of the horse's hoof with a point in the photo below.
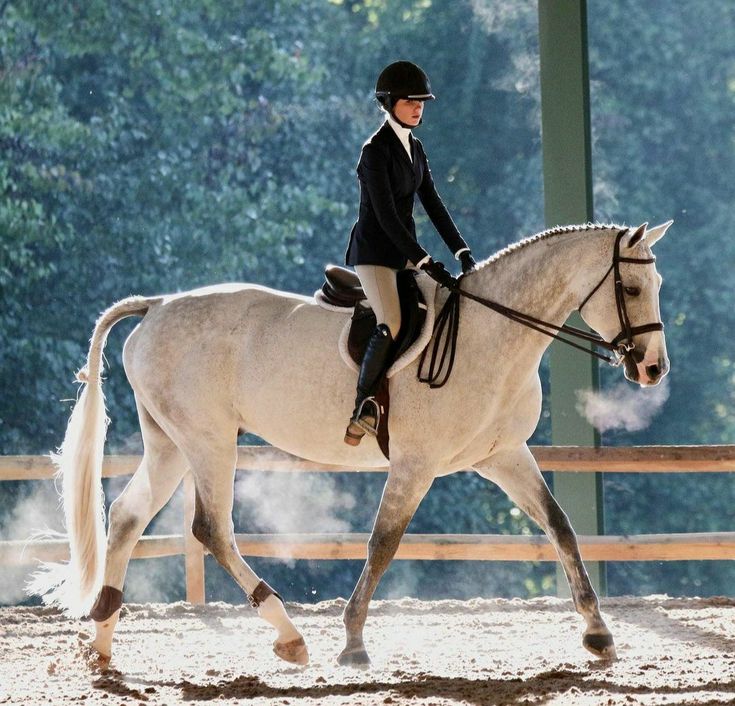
(355, 657)
(600, 645)
(93, 658)
(293, 651)
(102, 662)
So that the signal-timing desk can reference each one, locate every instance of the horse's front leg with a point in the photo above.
(404, 489)
(517, 473)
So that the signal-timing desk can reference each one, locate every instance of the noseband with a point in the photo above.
(447, 325)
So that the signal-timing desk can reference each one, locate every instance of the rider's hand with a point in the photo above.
(468, 262)
(438, 272)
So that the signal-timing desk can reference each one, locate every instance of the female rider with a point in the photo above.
(391, 171)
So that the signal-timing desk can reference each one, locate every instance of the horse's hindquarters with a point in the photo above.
(253, 360)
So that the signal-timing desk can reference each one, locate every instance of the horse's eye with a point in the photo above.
(633, 291)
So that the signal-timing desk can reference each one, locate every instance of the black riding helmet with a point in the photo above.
(402, 79)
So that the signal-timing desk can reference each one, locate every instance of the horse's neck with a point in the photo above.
(548, 278)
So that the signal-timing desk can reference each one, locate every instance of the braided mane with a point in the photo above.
(544, 235)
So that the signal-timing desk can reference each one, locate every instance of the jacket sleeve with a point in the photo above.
(373, 169)
(437, 212)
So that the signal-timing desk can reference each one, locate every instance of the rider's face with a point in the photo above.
(408, 111)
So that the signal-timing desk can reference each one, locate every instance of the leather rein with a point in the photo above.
(446, 326)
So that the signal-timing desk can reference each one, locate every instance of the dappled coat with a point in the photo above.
(385, 232)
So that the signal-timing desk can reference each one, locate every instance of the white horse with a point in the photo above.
(207, 364)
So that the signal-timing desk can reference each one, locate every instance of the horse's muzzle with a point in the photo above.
(648, 374)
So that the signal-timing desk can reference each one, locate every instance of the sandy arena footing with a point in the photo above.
(671, 651)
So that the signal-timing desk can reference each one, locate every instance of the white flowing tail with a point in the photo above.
(74, 586)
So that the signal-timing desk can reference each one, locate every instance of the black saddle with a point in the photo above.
(342, 288)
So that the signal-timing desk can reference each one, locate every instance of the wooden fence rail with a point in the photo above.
(642, 459)
(477, 547)
(618, 459)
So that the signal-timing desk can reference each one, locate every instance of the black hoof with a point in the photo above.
(357, 658)
(602, 646)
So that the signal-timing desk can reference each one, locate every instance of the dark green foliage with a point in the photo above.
(150, 147)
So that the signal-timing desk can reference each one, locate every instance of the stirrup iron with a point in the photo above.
(362, 423)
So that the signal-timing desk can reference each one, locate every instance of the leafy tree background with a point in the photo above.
(663, 148)
(161, 146)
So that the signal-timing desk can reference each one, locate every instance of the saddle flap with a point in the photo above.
(413, 315)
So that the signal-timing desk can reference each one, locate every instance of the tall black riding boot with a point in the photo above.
(374, 362)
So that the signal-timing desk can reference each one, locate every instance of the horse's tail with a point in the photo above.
(74, 586)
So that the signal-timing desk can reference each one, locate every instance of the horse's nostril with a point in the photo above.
(653, 371)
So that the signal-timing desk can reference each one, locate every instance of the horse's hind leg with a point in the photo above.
(148, 491)
(213, 470)
(517, 473)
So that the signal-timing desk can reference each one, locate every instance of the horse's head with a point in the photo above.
(624, 308)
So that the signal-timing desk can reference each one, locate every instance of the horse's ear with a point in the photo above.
(636, 238)
(657, 232)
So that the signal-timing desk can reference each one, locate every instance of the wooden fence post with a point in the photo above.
(193, 548)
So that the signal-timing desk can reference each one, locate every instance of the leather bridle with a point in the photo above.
(623, 343)
(622, 346)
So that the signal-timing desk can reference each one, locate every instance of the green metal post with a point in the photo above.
(567, 165)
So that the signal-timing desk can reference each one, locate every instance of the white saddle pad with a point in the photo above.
(427, 286)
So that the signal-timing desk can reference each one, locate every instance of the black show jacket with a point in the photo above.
(385, 232)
